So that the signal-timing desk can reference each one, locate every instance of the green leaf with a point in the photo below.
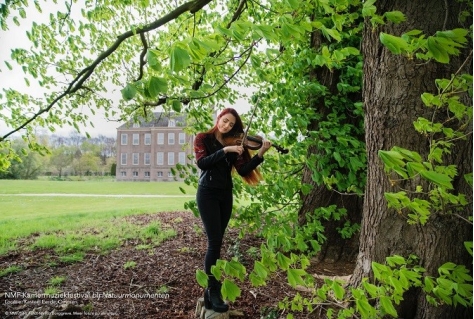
(395, 44)
(437, 50)
(365, 309)
(458, 35)
(129, 92)
(152, 59)
(446, 268)
(429, 284)
(235, 268)
(380, 270)
(338, 290)
(180, 59)
(229, 290)
(468, 245)
(283, 261)
(294, 4)
(260, 270)
(368, 8)
(395, 260)
(201, 278)
(391, 158)
(371, 289)
(156, 86)
(439, 179)
(395, 16)
(295, 277)
(387, 306)
(176, 106)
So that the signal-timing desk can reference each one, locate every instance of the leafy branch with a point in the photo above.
(78, 82)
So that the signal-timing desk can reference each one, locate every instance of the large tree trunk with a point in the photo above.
(335, 248)
(392, 88)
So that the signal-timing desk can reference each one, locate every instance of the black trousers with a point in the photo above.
(215, 209)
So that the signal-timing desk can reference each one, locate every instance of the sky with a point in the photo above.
(16, 37)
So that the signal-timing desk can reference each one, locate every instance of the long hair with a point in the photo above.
(254, 176)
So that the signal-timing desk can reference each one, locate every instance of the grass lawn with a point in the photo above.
(80, 222)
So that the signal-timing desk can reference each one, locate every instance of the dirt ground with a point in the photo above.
(162, 284)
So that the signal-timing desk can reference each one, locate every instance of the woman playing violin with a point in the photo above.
(216, 160)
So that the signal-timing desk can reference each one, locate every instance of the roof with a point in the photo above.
(161, 119)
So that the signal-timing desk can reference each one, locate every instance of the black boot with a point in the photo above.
(212, 296)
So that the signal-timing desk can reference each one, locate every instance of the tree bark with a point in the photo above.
(335, 248)
(393, 85)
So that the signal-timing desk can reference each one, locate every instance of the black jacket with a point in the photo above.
(216, 165)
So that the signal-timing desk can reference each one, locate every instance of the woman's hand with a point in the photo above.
(266, 144)
(234, 149)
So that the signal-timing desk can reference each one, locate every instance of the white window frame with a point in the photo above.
(135, 174)
(171, 123)
(147, 159)
(160, 138)
(147, 174)
(123, 159)
(182, 158)
(136, 139)
(170, 158)
(159, 174)
(182, 138)
(135, 158)
(123, 173)
(123, 139)
(171, 138)
(147, 139)
(160, 158)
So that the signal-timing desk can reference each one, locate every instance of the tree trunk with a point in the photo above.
(393, 85)
(335, 248)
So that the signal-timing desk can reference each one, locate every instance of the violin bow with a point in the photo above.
(246, 132)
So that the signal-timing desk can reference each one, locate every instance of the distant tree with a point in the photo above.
(28, 165)
(61, 158)
(87, 164)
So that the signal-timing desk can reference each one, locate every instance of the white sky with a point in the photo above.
(16, 37)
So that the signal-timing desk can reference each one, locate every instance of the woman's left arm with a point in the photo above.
(244, 168)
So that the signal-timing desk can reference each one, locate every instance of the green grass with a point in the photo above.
(107, 186)
(72, 224)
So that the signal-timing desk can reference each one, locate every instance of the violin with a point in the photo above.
(250, 142)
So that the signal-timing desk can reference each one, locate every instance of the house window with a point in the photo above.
(170, 158)
(123, 173)
(146, 159)
(170, 138)
(171, 123)
(123, 139)
(160, 138)
(170, 174)
(136, 139)
(135, 158)
(182, 158)
(147, 139)
(147, 174)
(159, 158)
(159, 174)
(123, 159)
(135, 174)
(182, 138)
(136, 125)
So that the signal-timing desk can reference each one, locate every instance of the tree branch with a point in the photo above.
(77, 83)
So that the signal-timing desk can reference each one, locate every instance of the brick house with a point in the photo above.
(147, 150)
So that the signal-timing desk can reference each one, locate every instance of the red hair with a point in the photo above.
(254, 176)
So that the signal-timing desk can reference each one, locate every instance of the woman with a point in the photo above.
(214, 194)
